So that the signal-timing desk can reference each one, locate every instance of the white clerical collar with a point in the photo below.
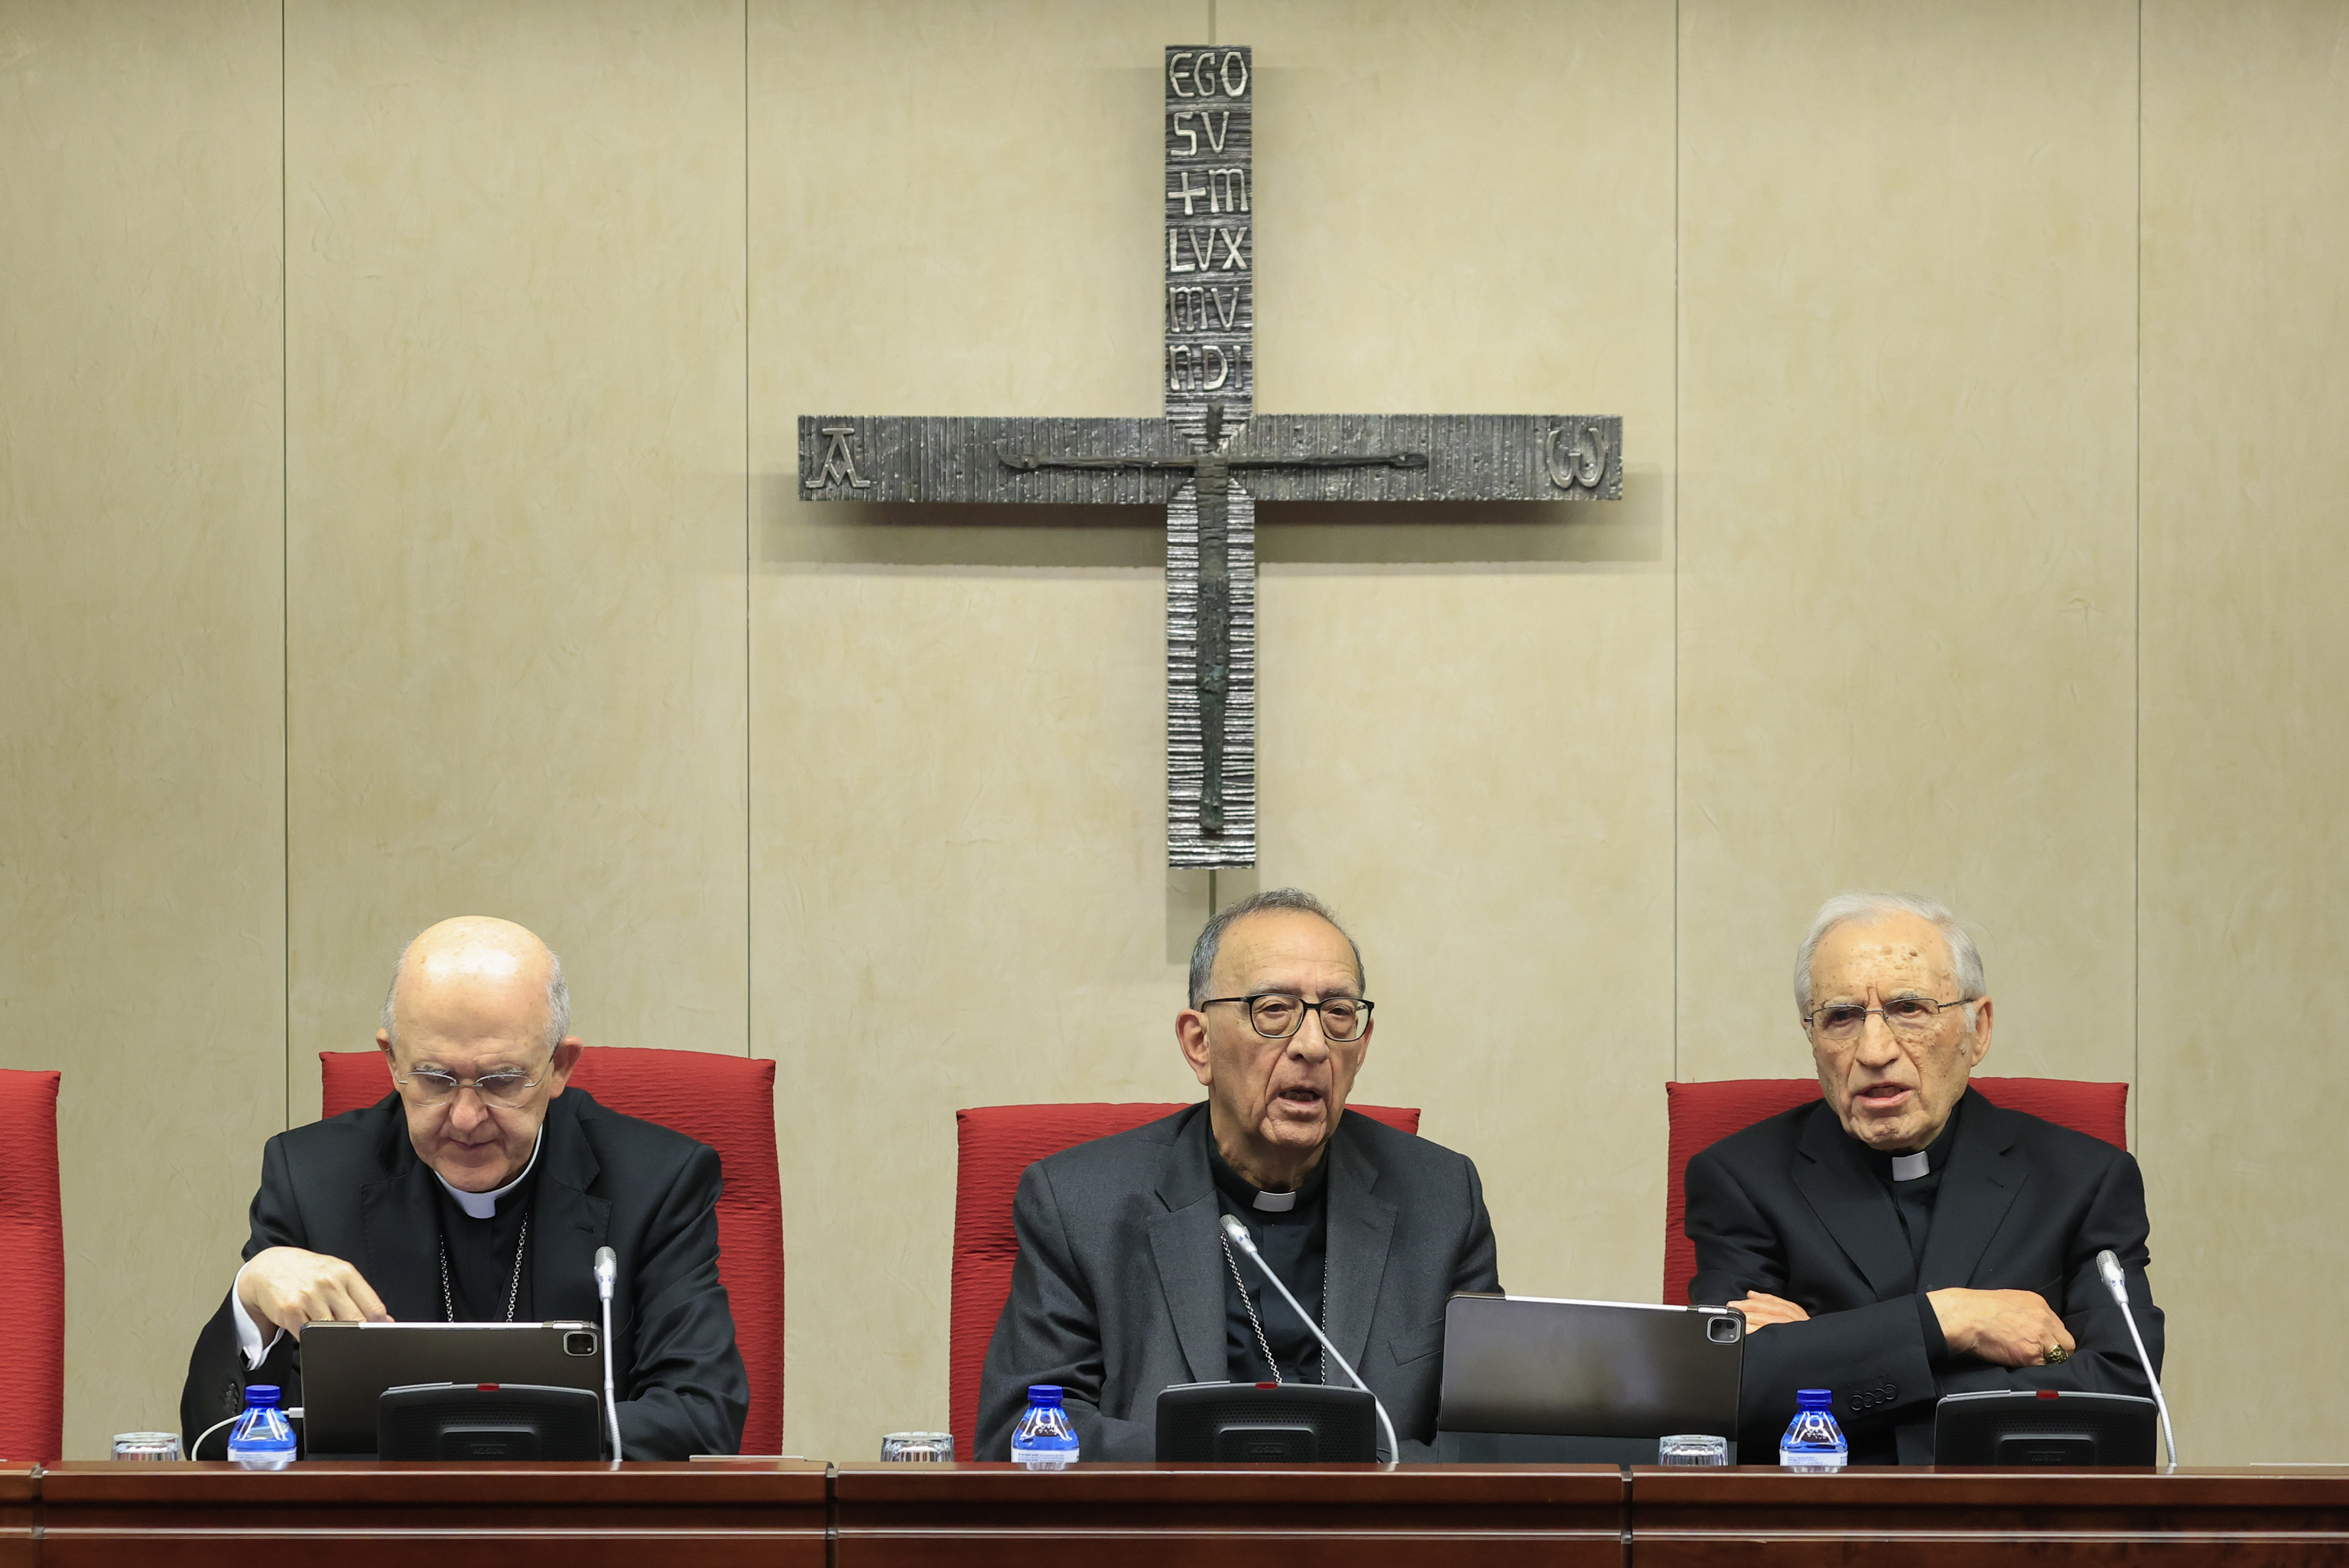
(1275, 1203)
(1909, 1167)
(484, 1205)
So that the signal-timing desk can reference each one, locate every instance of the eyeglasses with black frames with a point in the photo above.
(1276, 1014)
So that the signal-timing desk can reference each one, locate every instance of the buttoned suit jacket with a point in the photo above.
(352, 1187)
(1118, 1289)
(1792, 1206)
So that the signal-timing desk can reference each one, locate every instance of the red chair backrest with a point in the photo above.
(727, 1102)
(32, 1271)
(995, 1143)
(1702, 1114)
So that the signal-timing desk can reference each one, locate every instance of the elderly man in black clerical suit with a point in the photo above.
(1125, 1284)
(1903, 1238)
(478, 1191)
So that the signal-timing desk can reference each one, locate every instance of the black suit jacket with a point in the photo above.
(1118, 1290)
(1792, 1206)
(352, 1187)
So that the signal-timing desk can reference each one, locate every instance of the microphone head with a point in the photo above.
(1237, 1233)
(608, 1267)
(2108, 1267)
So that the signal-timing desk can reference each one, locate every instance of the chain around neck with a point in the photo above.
(513, 1290)
(1247, 1302)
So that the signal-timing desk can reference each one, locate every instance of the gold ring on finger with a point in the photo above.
(2056, 1356)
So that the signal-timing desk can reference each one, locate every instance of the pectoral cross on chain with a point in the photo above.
(1211, 458)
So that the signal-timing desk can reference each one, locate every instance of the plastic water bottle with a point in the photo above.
(1813, 1441)
(262, 1437)
(1044, 1439)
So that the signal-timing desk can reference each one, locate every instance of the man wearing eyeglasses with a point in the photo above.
(478, 1191)
(1124, 1284)
(1902, 1237)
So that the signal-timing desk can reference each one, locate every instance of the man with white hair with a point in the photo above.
(1902, 1237)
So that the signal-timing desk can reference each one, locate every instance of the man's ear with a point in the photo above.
(566, 1057)
(1191, 1034)
(383, 1044)
(1981, 1033)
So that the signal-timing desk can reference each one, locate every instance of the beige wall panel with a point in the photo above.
(960, 890)
(1467, 721)
(2246, 719)
(1906, 528)
(961, 896)
(517, 504)
(141, 836)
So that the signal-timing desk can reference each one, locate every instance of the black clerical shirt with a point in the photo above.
(481, 1255)
(1913, 1200)
(1296, 1244)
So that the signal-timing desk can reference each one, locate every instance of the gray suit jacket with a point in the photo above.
(1118, 1291)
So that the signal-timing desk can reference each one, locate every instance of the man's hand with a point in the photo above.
(285, 1287)
(1763, 1310)
(2010, 1327)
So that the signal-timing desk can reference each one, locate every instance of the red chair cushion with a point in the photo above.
(727, 1102)
(1702, 1114)
(32, 1271)
(997, 1143)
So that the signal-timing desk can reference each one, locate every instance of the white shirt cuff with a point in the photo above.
(248, 1338)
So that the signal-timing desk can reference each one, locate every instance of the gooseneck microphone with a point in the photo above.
(1237, 1233)
(2109, 1267)
(607, 1269)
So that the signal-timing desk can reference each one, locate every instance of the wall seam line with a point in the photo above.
(750, 984)
(2136, 756)
(285, 576)
(1677, 155)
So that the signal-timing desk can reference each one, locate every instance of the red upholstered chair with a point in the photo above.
(727, 1102)
(1702, 1114)
(997, 1143)
(32, 1271)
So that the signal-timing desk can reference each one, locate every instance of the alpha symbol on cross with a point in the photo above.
(839, 461)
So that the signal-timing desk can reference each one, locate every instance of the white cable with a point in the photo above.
(195, 1446)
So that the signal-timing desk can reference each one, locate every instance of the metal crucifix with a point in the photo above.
(1211, 458)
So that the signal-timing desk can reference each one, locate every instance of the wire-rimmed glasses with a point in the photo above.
(1912, 1016)
(507, 1088)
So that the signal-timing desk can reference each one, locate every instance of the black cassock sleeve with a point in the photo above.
(216, 1371)
(1879, 1354)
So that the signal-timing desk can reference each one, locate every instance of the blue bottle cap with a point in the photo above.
(1813, 1398)
(1044, 1394)
(261, 1396)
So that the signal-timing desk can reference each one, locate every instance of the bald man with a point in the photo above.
(477, 1192)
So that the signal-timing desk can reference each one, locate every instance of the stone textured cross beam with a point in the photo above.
(1211, 458)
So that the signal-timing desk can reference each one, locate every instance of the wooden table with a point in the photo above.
(1759, 1518)
(328, 1515)
(17, 1515)
(795, 1514)
(1304, 1516)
